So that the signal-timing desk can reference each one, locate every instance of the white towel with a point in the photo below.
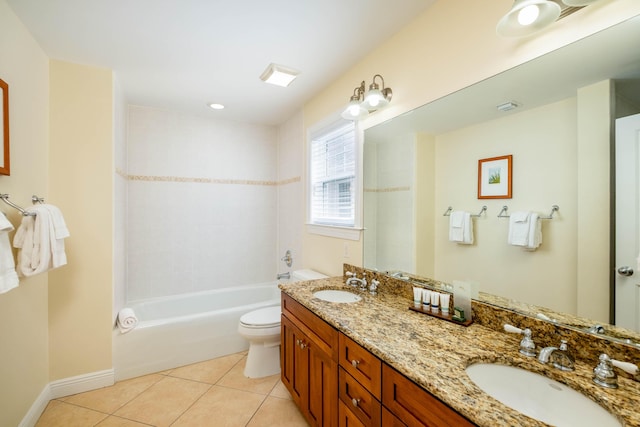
(461, 227)
(525, 230)
(8, 276)
(39, 248)
(127, 320)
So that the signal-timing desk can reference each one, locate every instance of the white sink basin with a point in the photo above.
(332, 295)
(539, 397)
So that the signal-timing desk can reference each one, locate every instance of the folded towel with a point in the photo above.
(39, 248)
(127, 320)
(525, 230)
(519, 224)
(461, 227)
(8, 276)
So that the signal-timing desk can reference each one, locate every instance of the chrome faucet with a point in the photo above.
(560, 357)
(527, 346)
(353, 280)
(605, 376)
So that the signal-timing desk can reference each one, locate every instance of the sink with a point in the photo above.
(333, 295)
(539, 397)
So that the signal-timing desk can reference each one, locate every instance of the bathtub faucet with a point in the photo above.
(286, 275)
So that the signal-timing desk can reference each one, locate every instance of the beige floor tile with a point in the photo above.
(209, 371)
(278, 412)
(110, 399)
(280, 391)
(61, 414)
(235, 379)
(162, 403)
(113, 421)
(221, 407)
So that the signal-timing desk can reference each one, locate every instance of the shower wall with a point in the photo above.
(202, 203)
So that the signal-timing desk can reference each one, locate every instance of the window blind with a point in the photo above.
(332, 176)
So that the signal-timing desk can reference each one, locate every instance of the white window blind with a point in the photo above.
(332, 176)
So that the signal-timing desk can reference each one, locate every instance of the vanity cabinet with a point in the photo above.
(336, 382)
(309, 368)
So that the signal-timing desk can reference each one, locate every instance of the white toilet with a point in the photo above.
(261, 328)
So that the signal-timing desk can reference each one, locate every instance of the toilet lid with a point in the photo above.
(264, 317)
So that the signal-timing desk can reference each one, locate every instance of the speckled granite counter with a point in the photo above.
(434, 354)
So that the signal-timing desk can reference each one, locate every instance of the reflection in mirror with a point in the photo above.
(418, 164)
(4, 125)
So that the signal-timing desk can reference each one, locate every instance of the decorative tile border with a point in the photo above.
(387, 190)
(183, 179)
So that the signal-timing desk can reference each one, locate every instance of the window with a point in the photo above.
(332, 175)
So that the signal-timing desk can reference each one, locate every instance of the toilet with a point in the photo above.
(261, 328)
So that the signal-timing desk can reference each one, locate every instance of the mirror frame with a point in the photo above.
(4, 113)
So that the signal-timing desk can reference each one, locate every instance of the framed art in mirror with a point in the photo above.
(494, 177)
(4, 125)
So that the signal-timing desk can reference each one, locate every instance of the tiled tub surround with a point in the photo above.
(434, 353)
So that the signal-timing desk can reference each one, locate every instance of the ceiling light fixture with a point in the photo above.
(216, 106)
(527, 17)
(279, 75)
(361, 102)
(507, 106)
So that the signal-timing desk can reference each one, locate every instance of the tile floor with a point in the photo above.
(210, 393)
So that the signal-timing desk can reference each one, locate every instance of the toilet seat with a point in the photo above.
(262, 318)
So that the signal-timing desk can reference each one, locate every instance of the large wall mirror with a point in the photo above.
(420, 163)
(4, 127)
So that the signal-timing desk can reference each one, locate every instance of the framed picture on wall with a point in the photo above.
(4, 128)
(494, 177)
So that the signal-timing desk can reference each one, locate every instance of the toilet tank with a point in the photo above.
(300, 275)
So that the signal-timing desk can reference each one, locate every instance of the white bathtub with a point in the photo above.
(183, 329)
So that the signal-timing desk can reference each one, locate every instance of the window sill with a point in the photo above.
(347, 233)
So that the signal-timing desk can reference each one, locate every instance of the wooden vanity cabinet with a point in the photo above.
(309, 368)
(336, 382)
(413, 406)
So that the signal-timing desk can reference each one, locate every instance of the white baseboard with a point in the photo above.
(66, 387)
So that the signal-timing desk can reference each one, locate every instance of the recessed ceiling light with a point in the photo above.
(278, 75)
(507, 106)
(216, 106)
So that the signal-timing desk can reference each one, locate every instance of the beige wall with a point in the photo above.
(81, 184)
(434, 56)
(24, 370)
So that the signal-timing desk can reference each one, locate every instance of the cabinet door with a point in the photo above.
(323, 388)
(347, 418)
(294, 362)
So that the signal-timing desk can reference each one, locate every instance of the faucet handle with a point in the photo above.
(603, 374)
(373, 287)
(350, 274)
(527, 346)
(629, 368)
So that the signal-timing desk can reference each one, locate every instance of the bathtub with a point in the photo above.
(182, 329)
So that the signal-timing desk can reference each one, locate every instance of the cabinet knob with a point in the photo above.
(303, 345)
(355, 363)
(355, 402)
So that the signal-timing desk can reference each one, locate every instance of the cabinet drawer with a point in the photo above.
(413, 405)
(323, 335)
(360, 402)
(390, 420)
(347, 418)
(361, 364)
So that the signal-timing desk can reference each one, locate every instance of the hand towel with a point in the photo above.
(535, 232)
(127, 320)
(8, 276)
(39, 248)
(519, 227)
(461, 227)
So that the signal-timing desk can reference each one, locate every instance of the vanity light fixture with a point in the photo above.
(362, 103)
(279, 75)
(527, 17)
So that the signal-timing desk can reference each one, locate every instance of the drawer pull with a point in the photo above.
(355, 402)
(355, 363)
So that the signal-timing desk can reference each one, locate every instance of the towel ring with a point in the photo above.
(450, 209)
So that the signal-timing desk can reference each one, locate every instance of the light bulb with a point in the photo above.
(528, 15)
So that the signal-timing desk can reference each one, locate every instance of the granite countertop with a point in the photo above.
(434, 354)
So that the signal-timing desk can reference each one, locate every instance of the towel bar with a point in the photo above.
(554, 209)
(449, 209)
(35, 199)
(5, 198)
